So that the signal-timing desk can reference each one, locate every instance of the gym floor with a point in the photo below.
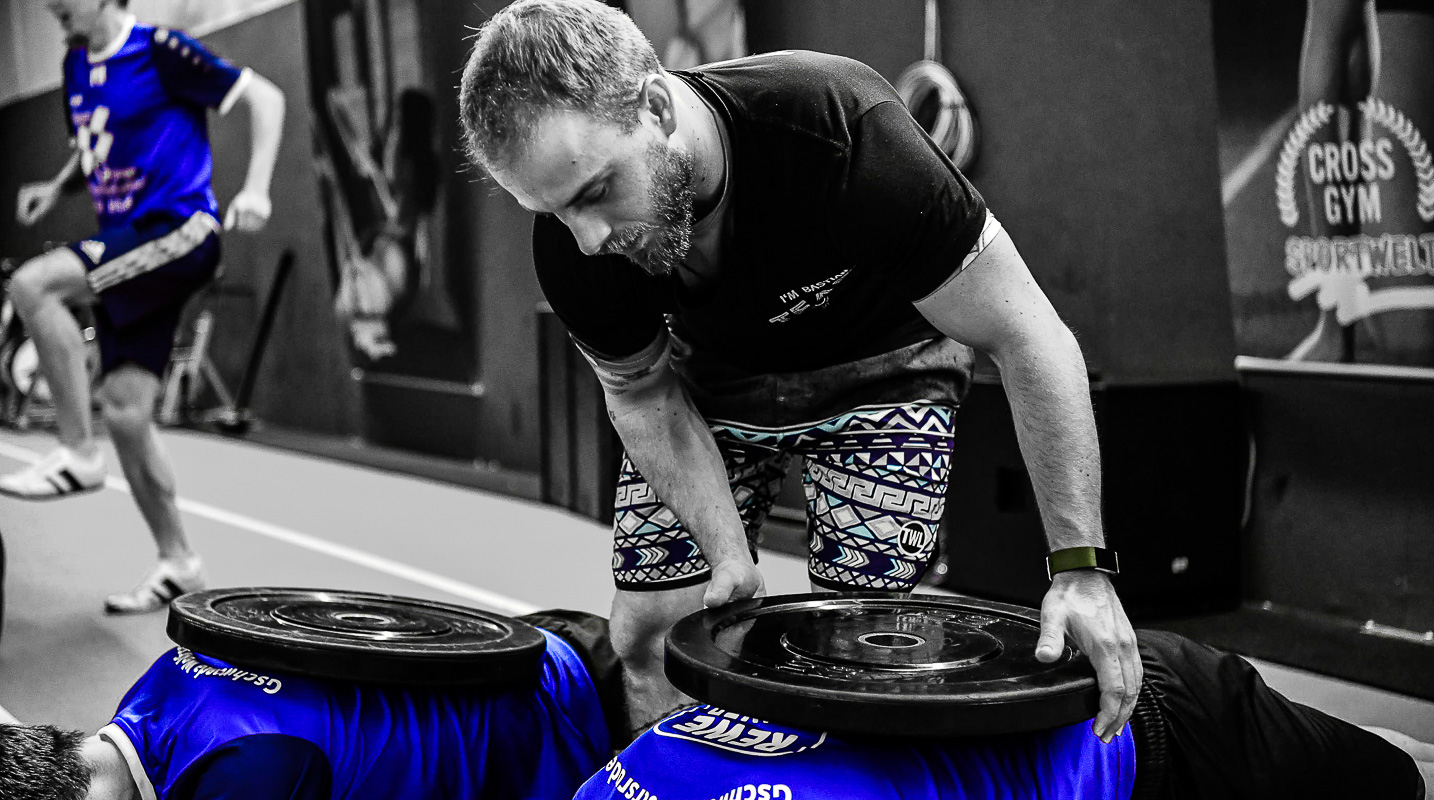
(265, 516)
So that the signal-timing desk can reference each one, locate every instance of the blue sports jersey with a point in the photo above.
(195, 727)
(704, 753)
(138, 115)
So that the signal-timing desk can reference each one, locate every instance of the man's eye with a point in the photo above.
(596, 195)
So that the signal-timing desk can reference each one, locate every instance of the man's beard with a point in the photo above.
(673, 197)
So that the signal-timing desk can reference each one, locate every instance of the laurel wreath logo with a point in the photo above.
(1374, 110)
(1403, 129)
(1314, 118)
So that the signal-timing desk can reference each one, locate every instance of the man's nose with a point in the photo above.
(590, 231)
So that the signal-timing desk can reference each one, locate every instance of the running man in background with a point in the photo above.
(136, 99)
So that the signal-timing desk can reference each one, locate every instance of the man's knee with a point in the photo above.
(127, 401)
(640, 621)
(58, 275)
(29, 286)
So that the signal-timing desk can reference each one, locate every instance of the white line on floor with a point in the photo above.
(492, 600)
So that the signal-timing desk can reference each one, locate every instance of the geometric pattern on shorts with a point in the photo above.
(650, 548)
(875, 494)
(875, 483)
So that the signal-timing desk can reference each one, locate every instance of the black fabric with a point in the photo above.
(1422, 6)
(266, 766)
(842, 213)
(1152, 748)
(588, 635)
(1230, 736)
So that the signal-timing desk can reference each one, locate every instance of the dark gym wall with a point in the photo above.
(1098, 152)
(304, 349)
(305, 381)
(490, 240)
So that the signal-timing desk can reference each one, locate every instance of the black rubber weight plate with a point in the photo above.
(881, 664)
(357, 636)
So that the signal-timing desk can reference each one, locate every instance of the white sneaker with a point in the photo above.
(60, 474)
(166, 581)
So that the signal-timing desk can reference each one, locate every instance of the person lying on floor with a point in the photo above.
(196, 727)
(1205, 726)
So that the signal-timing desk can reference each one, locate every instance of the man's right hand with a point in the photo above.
(35, 201)
(732, 581)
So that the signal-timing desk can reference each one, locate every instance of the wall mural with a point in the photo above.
(1329, 179)
(686, 33)
(376, 151)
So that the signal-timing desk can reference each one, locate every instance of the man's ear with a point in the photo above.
(659, 102)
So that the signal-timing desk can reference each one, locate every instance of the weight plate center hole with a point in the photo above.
(359, 617)
(891, 640)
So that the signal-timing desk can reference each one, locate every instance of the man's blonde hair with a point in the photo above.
(537, 56)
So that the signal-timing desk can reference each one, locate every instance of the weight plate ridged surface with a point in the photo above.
(356, 636)
(881, 665)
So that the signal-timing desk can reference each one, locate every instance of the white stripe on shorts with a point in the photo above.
(152, 255)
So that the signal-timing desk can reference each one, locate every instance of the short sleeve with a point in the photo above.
(606, 302)
(190, 72)
(914, 214)
(267, 766)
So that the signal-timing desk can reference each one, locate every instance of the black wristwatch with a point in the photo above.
(1097, 558)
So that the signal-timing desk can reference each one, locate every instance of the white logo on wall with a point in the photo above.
(1350, 186)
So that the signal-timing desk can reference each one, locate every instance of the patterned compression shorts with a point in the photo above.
(875, 484)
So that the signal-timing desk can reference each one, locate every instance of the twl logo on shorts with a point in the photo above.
(916, 538)
(725, 730)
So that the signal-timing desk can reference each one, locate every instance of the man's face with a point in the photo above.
(78, 18)
(624, 193)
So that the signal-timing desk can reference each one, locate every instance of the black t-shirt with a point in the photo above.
(842, 213)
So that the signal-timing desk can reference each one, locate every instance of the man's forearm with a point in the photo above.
(1050, 403)
(68, 172)
(265, 102)
(671, 446)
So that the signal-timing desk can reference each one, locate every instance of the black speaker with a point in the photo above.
(1174, 460)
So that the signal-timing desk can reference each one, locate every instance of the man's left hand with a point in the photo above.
(249, 211)
(1081, 603)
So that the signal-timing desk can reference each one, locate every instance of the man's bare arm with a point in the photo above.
(35, 200)
(671, 445)
(251, 207)
(995, 305)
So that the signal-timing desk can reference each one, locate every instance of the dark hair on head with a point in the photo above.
(42, 762)
(537, 56)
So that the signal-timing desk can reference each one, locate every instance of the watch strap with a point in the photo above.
(1097, 558)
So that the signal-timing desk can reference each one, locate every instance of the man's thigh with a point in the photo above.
(1231, 736)
(652, 550)
(58, 273)
(875, 482)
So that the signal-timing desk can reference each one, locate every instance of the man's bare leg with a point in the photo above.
(639, 625)
(128, 398)
(42, 290)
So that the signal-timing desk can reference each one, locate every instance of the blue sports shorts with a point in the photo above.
(143, 275)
